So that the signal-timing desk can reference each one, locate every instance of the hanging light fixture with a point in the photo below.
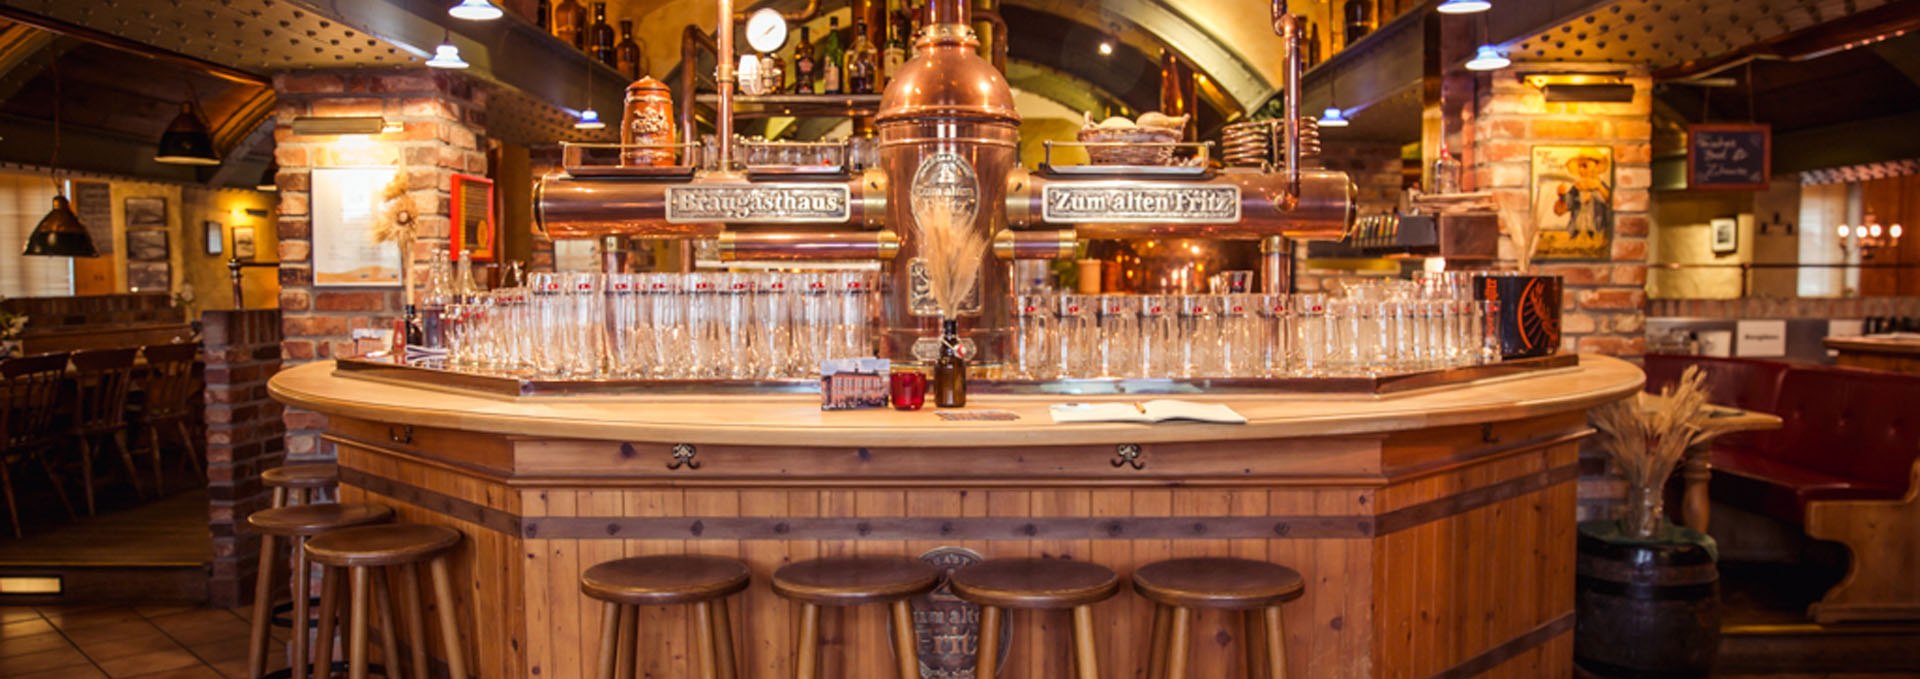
(187, 141)
(270, 179)
(589, 120)
(475, 10)
(1464, 6)
(1333, 117)
(1487, 58)
(446, 56)
(60, 233)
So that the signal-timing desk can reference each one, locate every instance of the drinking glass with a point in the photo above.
(1242, 346)
(773, 326)
(1119, 336)
(908, 389)
(1312, 339)
(586, 323)
(1487, 331)
(1033, 351)
(671, 342)
(1079, 331)
(549, 350)
(1276, 335)
(1160, 337)
(736, 291)
(1200, 332)
(624, 333)
(1438, 318)
(851, 332)
(814, 326)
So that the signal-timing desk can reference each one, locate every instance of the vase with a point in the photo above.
(1646, 511)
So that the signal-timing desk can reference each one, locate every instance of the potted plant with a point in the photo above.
(12, 325)
(1648, 595)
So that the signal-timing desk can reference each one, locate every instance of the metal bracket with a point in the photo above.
(683, 456)
(1128, 454)
(402, 434)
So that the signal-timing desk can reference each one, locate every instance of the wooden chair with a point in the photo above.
(1256, 588)
(167, 389)
(703, 582)
(365, 554)
(29, 399)
(297, 525)
(855, 581)
(102, 378)
(1045, 584)
(301, 484)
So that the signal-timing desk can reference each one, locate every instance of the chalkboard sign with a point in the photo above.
(1729, 157)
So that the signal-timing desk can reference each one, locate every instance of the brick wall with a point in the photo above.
(244, 436)
(1605, 303)
(443, 115)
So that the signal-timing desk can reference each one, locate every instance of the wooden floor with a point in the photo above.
(168, 532)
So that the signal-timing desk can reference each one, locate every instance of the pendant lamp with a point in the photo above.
(1464, 6)
(475, 10)
(60, 233)
(187, 141)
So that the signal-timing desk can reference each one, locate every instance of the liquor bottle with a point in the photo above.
(863, 62)
(413, 336)
(434, 298)
(830, 77)
(1311, 49)
(949, 370)
(543, 15)
(570, 23)
(898, 35)
(632, 61)
(803, 63)
(832, 58)
(600, 36)
(1359, 15)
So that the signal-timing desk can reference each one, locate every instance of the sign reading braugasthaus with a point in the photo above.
(786, 203)
(1161, 204)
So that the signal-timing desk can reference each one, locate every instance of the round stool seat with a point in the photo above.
(852, 581)
(1035, 583)
(318, 475)
(314, 519)
(383, 545)
(665, 580)
(1218, 582)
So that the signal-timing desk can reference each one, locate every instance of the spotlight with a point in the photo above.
(1106, 48)
(1488, 59)
(589, 120)
(446, 56)
(484, 10)
(1333, 117)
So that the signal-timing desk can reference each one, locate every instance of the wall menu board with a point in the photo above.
(1729, 157)
(93, 204)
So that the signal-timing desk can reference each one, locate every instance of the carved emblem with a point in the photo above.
(683, 456)
(1128, 454)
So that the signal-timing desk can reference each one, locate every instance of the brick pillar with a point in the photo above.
(443, 115)
(244, 435)
(1605, 304)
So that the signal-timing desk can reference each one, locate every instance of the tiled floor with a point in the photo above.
(117, 642)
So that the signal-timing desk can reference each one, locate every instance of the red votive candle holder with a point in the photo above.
(908, 389)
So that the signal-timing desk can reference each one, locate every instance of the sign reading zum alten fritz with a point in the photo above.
(1160, 203)
(787, 203)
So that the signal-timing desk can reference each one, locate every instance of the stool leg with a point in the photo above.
(1276, 644)
(626, 653)
(1177, 643)
(1157, 650)
(389, 642)
(300, 603)
(1254, 639)
(159, 475)
(609, 637)
(449, 631)
(329, 610)
(410, 603)
(279, 497)
(986, 655)
(262, 611)
(806, 652)
(1086, 659)
(703, 640)
(357, 626)
(723, 640)
(905, 652)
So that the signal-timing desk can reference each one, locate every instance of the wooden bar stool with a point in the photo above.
(1255, 588)
(855, 581)
(305, 481)
(366, 553)
(1045, 584)
(296, 524)
(703, 582)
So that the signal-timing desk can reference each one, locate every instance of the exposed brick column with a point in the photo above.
(244, 436)
(1605, 303)
(444, 119)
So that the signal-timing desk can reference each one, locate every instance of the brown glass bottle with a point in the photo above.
(543, 16)
(803, 63)
(629, 59)
(600, 37)
(570, 23)
(949, 370)
(1359, 15)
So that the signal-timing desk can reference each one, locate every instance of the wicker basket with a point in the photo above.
(1146, 145)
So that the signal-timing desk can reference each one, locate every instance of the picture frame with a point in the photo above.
(215, 236)
(243, 246)
(1572, 202)
(149, 276)
(474, 229)
(1725, 235)
(347, 203)
(146, 212)
(147, 246)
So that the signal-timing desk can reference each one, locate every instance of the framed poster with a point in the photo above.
(1572, 201)
(345, 201)
(1725, 233)
(149, 276)
(1729, 156)
(216, 236)
(146, 212)
(473, 220)
(243, 243)
(147, 246)
(93, 204)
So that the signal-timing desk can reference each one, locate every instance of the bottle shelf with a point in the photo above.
(798, 105)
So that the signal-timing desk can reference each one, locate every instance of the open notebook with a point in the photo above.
(1148, 412)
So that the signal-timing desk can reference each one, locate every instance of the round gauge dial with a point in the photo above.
(766, 30)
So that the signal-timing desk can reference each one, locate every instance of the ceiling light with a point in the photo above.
(589, 120)
(1333, 117)
(1488, 59)
(1106, 48)
(446, 56)
(1464, 6)
(392, 127)
(60, 234)
(187, 141)
(475, 10)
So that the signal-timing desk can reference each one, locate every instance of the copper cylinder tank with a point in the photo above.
(947, 128)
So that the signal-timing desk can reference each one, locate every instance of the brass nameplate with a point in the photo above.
(760, 203)
(1135, 203)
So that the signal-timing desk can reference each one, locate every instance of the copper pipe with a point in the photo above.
(1276, 265)
(691, 40)
(570, 207)
(737, 246)
(1010, 244)
(1321, 210)
(723, 118)
(805, 13)
(1288, 26)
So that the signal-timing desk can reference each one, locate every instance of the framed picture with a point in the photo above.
(1726, 235)
(149, 276)
(473, 220)
(147, 246)
(216, 236)
(243, 243)
(146, 212)
(346, 204)
(1572, 201)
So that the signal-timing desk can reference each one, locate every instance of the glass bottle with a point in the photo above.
(1446, 172)
(1312, 48)
(949, 370)
(543, 16)
(773, 76)
(896, 54)
(414, 336)
(570, 23)
(600, 36)
(629, 58)
(803, 63)
(863, 62)
(434, 297)
(464, 290)
(1359, 14)
(832, 57)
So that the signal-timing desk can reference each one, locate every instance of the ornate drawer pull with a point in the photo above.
(1128, 454)
(683, 457)
(402, 434)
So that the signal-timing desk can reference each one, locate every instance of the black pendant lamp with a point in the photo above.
(59, 234)
(187, 141)
(270, 179)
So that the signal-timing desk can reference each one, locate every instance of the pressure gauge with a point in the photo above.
(766, 30)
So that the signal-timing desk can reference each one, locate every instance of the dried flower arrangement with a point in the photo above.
(1647, 439)
(1523, 233)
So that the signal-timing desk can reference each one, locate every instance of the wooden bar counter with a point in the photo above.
(1435, 528)
(1896, 353)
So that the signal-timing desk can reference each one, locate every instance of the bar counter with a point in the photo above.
(1435, 528)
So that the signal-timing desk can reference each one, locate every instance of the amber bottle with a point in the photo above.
(632, 62)
(600, 37)
(570, 23)
(949, 370)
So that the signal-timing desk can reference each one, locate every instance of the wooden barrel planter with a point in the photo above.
(1646, 608)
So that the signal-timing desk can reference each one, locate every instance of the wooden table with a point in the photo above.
(1899, 352)
(1435, 529)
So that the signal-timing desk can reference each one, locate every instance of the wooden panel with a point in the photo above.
(475, 453)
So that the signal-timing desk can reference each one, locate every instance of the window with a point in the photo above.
(24, 199)
(1823, 208)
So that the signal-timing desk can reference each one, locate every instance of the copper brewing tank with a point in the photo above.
(950, 112)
